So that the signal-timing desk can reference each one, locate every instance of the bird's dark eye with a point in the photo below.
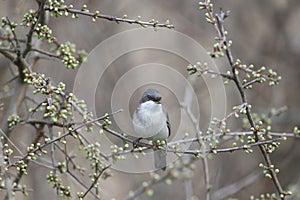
(158, 98)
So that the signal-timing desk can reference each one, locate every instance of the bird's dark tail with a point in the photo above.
(160, 159)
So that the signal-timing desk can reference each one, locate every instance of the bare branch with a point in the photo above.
(109, 17)
(38, 15)
(224, 150)
(233, 188)
(95, 180)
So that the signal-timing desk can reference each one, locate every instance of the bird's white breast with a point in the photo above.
(149, 121)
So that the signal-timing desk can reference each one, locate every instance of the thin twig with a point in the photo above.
(226, 191)
(20, 174)
(109, 17)
(224, 150)
(50, 128)
(38, 14)
(95, 181)
(48, 54)
(256, 80)
(11, 142)
(247, 70)
(195, 122)
(15, 38)
(81, 183)
(60, 137)
(140, 190)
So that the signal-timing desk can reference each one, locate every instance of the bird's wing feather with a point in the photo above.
(168, 124)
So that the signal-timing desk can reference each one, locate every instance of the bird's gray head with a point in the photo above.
(151, 95)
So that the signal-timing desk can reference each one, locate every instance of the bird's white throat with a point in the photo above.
(151, 106)
(149, 119)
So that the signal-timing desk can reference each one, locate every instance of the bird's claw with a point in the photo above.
(136, 142)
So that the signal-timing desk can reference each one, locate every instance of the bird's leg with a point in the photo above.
(136, 142)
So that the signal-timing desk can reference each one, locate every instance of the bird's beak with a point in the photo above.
(157, 102)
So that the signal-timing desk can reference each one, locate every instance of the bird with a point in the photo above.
(150, 121)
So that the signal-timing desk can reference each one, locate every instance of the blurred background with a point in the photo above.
(264, 33)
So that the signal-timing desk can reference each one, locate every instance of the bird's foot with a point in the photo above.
(136, 142)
